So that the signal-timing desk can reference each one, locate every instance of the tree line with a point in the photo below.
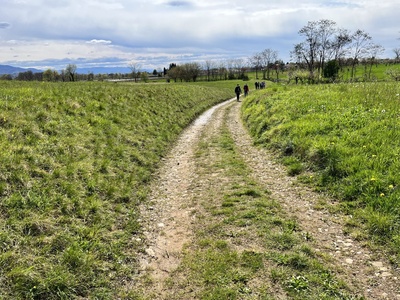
(325, 50)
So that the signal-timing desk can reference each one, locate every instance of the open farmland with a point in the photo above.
(87, 214)
(75, 162)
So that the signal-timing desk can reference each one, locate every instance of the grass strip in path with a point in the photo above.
(244, 246)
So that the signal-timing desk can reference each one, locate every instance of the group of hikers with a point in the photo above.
(238, 90)
(259, 85)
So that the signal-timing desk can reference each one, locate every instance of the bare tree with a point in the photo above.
(326, 29)
(339, 45)
(278, 67)
(240, 67)
(256, 62)
(268, 57)
(373, 52)
(209, 66)
(397, 53)
(362, 42)
(308, 49)
(222, 71)
(230, 68)
(316, 48)
(135, 70)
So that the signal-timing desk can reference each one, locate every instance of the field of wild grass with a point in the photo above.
(348, 136)
(75, 161)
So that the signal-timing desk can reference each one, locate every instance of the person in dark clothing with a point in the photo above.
(238, 91)
(246, 90)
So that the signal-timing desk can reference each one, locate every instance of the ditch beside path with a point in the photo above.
(169, 217)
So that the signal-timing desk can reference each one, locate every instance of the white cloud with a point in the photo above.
(176, 29)
(98, 42)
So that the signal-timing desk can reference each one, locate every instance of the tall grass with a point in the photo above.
(348, 134)
(75, 161)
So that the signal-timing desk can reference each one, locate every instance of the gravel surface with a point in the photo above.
(168, 217)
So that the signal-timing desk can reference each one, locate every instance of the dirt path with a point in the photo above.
(169, 216)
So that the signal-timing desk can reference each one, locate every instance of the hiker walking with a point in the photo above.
(246, 90)
(238, 91)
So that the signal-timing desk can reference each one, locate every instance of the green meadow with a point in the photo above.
(77, 158)
(75, 162)
(343, 139)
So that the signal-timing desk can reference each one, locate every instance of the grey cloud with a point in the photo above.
(179, 3)
(4, 25)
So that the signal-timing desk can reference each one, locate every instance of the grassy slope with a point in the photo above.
(348, 134)
(75, 161)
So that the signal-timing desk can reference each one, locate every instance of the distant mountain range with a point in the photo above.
(5, 69)
(103, 70)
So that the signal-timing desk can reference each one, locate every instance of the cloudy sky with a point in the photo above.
(155, 33)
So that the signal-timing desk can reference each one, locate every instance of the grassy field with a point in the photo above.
(375, 73)
(347, 136)
(75, 161)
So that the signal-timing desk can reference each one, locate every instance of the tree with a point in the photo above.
(6, 77)
(25, 76)
(190, 71)
(240, 68)
(144, 77)
(256, 62)
(331, 69)
(268, 57)
(70, 72)
(50, 75)
(222, 70)
(338, 46)
(315, 50)
(174, 73)
(373, 52)
(326, 29)
(209, 65)
(90, 76)
(397, 53)
(135, 70)
(394, 74)
(230, 69)
(361, 43)
(307, 50)
(278, 66)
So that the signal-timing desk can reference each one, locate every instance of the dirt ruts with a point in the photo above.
(167, 217)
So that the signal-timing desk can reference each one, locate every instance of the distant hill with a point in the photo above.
(103, 70)
(5, 69)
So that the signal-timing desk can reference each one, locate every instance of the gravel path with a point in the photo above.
(167, 218)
